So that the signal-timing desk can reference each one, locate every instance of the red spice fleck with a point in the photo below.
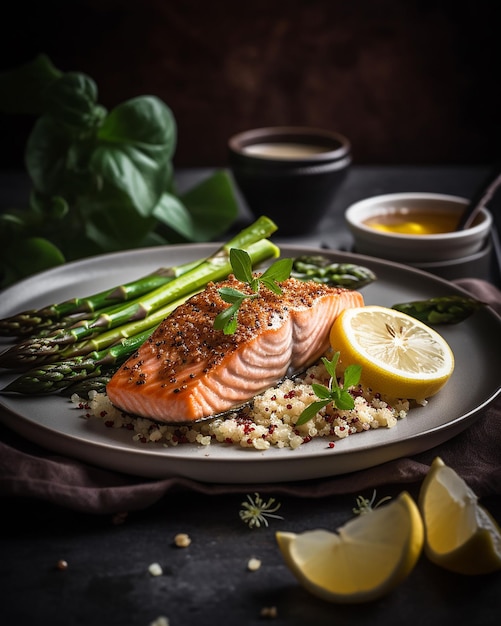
(331, 444)
(108, 423)
(289, 407)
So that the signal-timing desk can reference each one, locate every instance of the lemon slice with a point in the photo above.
(461, 536)
(400, 356)
(364, 560)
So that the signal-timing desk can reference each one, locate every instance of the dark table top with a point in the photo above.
(107, 580)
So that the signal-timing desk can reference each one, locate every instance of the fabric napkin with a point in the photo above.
(28, 471)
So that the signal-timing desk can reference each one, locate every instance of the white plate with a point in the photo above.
(53, 422)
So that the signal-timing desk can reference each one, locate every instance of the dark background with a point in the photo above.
(409, 82)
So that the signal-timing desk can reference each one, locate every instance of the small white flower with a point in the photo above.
(255, 511)
(366, 506)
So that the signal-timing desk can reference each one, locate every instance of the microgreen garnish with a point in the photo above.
(241, 264)
(366, 506)
(335, 393)
(255, 511)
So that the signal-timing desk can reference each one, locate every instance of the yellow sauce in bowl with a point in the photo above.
(406, 223)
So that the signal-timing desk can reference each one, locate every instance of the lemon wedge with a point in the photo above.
(461, 536)
(364, 560)
(400, 356)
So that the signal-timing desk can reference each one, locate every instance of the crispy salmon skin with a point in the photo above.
(187, 370)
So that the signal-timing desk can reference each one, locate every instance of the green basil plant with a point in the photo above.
(101, 180)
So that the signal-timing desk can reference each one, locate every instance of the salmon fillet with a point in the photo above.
(188, 371)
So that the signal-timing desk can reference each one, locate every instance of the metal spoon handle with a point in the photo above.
(480, 198)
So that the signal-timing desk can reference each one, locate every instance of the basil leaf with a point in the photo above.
(241, 265)
(345, 401)
(321, 391)
(228, 294)
(310, 412)
(352, 376)
(212, 205)
(278, 271)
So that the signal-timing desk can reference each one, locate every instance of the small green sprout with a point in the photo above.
(255, 511)
(241, 264)
(334, 393)
(366, 506)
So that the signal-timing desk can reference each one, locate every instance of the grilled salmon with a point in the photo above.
(187, 370)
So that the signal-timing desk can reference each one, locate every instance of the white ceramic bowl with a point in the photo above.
(415, 248)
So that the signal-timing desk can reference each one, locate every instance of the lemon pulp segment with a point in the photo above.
(460, 534)
(365, 559)
(400, 356)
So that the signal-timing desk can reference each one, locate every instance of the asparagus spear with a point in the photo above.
(56, 376)
(322, 270)
(441, 310)
(24, 354)
(45, 350)
(32, 321)
(25, 322)
(121, 343)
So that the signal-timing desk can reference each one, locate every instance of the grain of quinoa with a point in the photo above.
(269, 421)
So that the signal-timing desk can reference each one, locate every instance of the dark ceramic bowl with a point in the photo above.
(290, 174)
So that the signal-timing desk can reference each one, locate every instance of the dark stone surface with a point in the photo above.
(407, 82)
(107, 580)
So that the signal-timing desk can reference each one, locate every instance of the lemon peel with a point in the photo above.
(460, 535)
(401, 357)
(365, 559)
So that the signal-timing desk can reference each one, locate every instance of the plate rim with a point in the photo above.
(442, 432)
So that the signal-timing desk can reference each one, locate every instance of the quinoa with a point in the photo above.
(269, 421)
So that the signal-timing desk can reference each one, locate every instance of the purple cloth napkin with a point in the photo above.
(27, 470)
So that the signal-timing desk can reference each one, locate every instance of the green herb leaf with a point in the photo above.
(321, 391)
(351, 376)
(241, 265)
(228, 294)
(277, 272)
(339, 396)
(227, 319)
(242, 269)
(344, 400)
(310, 412)
(331, 365)
(112, 170)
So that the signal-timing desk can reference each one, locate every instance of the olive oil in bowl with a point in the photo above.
(405, 223)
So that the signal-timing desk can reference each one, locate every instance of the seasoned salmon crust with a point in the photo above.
(187, 370)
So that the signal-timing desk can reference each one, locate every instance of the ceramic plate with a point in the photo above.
(54, 423)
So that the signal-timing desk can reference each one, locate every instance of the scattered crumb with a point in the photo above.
(160, 621)
(269, 611)
(155, 569)
(253, 564)
(182, 540)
